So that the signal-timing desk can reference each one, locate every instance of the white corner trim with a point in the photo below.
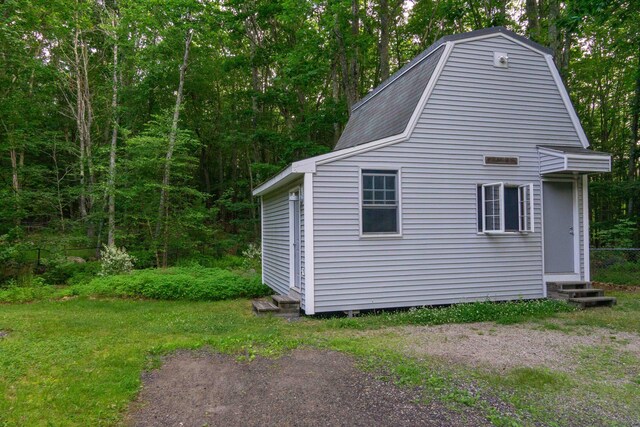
(292, 268)
(262, 236)
(567, 101)
(585, 228)
(309, 264)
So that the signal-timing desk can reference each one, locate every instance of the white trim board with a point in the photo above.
(585, 228)
(567, 101)
(309, 255)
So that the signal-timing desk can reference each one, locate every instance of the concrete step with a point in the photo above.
(580, 293)
(594, 301)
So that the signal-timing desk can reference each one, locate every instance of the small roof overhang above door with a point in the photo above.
(571, 159)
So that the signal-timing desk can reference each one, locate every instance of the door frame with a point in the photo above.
(295, 278)
(576, 232)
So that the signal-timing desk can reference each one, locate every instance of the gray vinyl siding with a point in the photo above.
(588, 165)
(275, 240)
(550, 163)
(474, 110)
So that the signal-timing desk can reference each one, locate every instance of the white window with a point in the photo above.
(380, 213)
(505, 208)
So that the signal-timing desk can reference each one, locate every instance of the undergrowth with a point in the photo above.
(484, 311)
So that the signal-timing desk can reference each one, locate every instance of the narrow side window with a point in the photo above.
(380, 202)
(526, 207)
(493, 207)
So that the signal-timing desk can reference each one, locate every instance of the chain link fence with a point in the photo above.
(619, 266)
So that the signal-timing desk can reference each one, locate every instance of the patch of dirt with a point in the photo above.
(504, 347)
(303, 388)
(3, 334)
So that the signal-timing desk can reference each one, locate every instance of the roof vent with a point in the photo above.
(501, 59)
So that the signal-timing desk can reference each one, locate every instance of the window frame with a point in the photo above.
(528, 214)
(380, 235)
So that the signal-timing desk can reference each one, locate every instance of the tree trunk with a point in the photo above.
(162, 209)
(335, 93)
(111, 240)
(531, 13)
(383, 45)
(554, 36)
(80, 124)
(635, 137)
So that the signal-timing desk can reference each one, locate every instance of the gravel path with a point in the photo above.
(303, 388)
(505, 347)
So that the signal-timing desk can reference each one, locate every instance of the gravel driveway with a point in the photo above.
(303, 388)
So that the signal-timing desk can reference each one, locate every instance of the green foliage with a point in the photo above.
(22, 294)
(114, 260)
(177, 283)
(620, 235)
(486, 311)
(60, 271)
(623, 273)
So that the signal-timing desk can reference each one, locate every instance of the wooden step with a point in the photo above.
(289, 307)
(573, 284)
(593, 301)
(263, 308)
(286, 301)
(580, 293)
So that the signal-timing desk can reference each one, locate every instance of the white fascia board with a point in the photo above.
(275, 181)
(567, 101)
(506, 36)
(292, 171)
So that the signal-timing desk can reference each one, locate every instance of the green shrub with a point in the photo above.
(19, 294)
(177, 283)
(59, 271)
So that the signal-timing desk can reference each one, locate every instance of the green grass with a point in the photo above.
(78, 361)
(619, 274)
(484, 311)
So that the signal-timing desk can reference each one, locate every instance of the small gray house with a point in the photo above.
(462, 177)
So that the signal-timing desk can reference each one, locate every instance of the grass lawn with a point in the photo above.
(78, 361)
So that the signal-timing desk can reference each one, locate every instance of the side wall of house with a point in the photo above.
(276, 243)
(275, 240)
(475, 110)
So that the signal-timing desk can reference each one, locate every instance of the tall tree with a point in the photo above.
(162, 222)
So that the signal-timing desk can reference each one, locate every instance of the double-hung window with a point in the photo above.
(380, 207)
(505, 208)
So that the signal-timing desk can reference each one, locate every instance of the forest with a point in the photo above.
(146, 123)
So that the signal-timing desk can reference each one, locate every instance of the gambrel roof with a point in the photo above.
(387, 109)
(389, 113)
